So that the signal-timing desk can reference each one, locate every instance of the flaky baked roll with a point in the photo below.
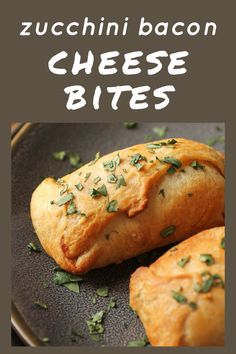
(180, 298)
(129, 202)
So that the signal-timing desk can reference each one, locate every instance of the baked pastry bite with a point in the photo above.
(129, 202)
(180, 298)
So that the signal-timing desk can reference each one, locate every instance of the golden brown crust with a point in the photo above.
(194, 201)
(168, 322)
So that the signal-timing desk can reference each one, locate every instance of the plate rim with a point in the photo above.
(17, 322)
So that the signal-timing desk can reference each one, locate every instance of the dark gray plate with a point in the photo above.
(32, 273)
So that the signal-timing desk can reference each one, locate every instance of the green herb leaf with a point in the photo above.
(183, 261)
(222, 243)
(72, 286)
(215, 140)
(65, 199)
(162, 192)
(94, 324)
(97, 192)
(33, 248)
(130, 125)
(61, 277)
(112, 164)
(97, 179)
(197, 166)
(41, 305)
(94, 299)
(173, 161)
(88, 174)
(64, 189)
(160, 131)
(168, 231)
(112, 304)
(79, 186)
(121, 182)
(112, 178)
(208, 281)
(193, 305)
(171, 170)
(74, 159)
(179, 297)
(135, 160)
(103, 292)
(59, 155)
(142, 342)
(97, 157)
(71, 209)
(207, 258)
(112, 206)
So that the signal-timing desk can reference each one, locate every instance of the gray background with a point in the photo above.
(33, 93)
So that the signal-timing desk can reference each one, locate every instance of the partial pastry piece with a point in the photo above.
(180, 298)
(128, 202)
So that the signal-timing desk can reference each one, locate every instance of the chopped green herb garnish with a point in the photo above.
(88, 174)
(179, 297)
(155, 145)
(173, 161)
(215, 140)
(97, 157)
(79, 186)
(94, 324)
(94, 299)
(112, 304)
(193, 305)
(103, 292)
(222, 243)
(112, 178)
(142, 342)
(112, 164)
(169, 143)
(135, 160)
(171, 170)
(61, 277)
(71, 209)
(208, 281)
(162, 192)
(168, 231)
(65, 199)
(121, 182)
(59, 155)
(207, 258)
(97, 179)
(99, 191)
(33, 248)
(64, 189)
(41, 305)
(74, 159)
(130, 125)
(183, 261)
(112, 206)
(197, 166)
(68, 280)
(160, 131)
(74, 287)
